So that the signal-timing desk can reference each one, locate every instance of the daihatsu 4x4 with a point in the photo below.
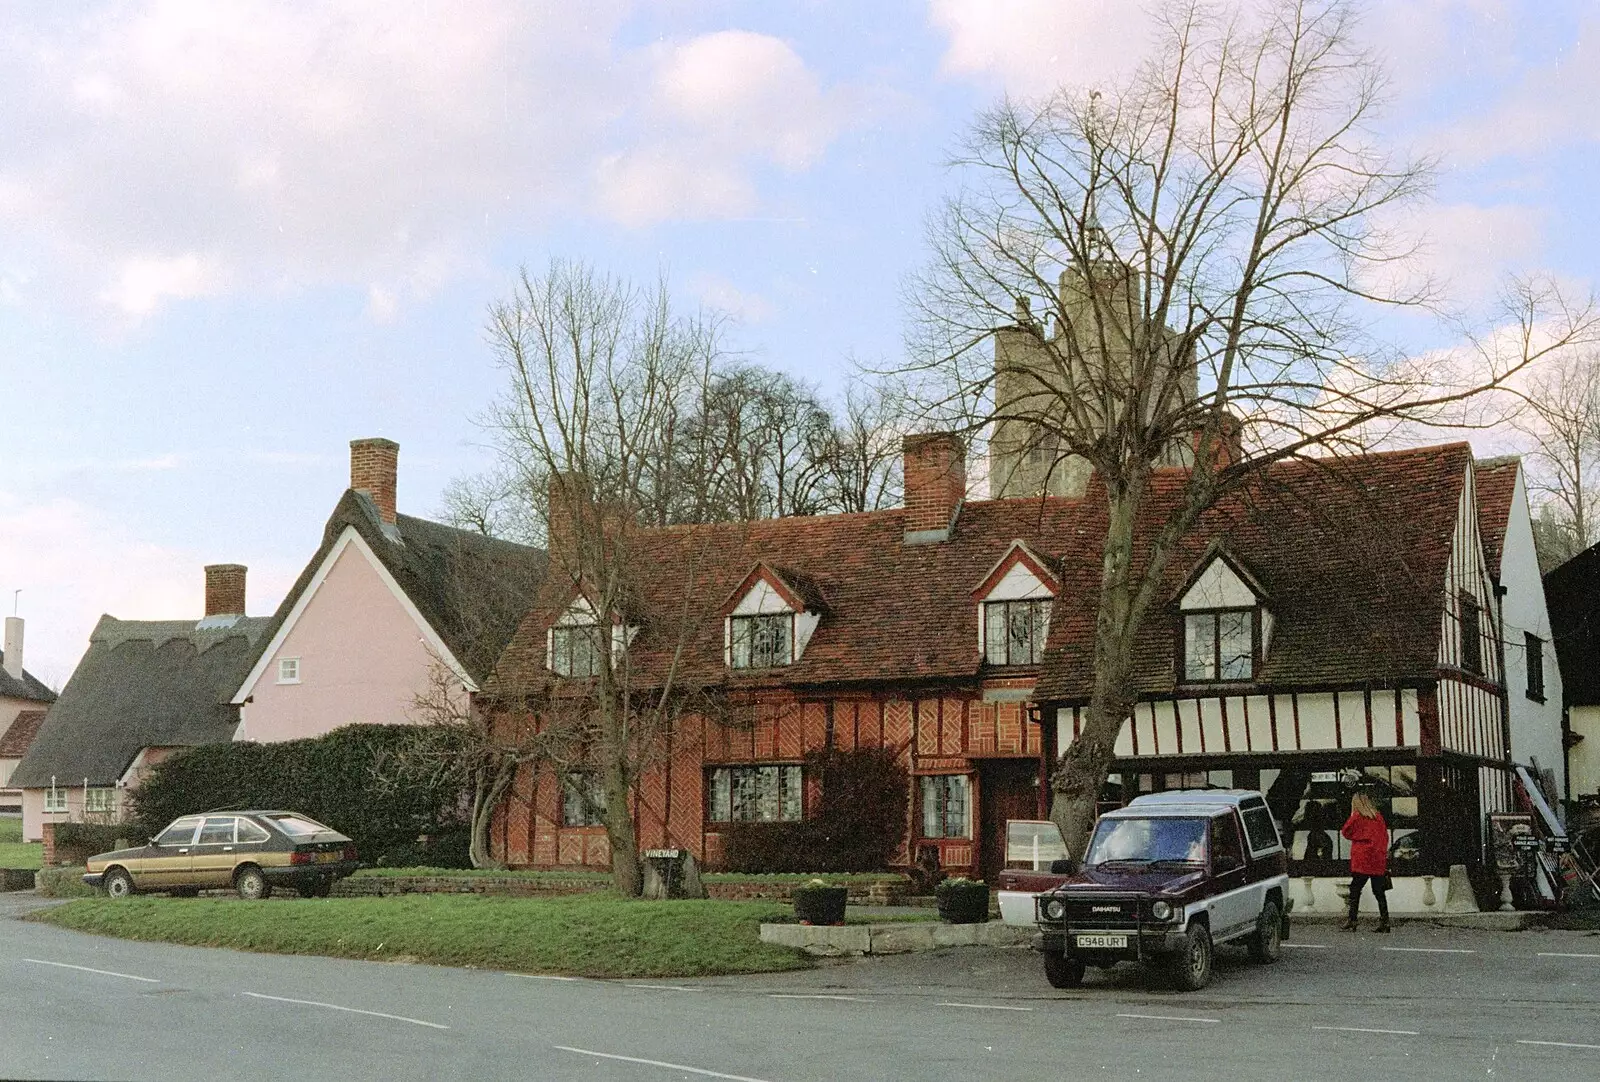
(1163, 881)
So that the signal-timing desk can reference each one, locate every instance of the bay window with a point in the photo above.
(946, 800)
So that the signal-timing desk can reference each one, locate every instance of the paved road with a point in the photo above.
(1423, 1003)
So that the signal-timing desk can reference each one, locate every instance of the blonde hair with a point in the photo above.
(1362, 805)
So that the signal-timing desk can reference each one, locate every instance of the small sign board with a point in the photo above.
(1558, 845)
(1510, 836)
(663, 854)
(1526, 843)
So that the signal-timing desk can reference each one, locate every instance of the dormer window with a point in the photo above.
(761, 641)
(1014, 603)
(769, 618)
(1014, 631)
(576, 649)
(1225, 626)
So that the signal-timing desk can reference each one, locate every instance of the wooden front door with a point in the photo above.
(1007, 789)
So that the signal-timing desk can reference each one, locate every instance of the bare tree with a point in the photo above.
(864, 453)
(1560, 417)
(1205, 241)
(601, 379)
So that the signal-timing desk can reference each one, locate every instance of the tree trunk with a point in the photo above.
(1082, 769)
(625, 871)
(489, 785)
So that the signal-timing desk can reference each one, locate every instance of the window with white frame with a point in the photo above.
(761, 641)
(583, 800)
(1014, 632)
(755, 794)
(99, 800)
(55, 799)
(946, 804)
(288, 670)
(577, 649)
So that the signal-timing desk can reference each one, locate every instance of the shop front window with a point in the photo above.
(1310, 807)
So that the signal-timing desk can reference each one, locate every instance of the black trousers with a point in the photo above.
(1380, 891)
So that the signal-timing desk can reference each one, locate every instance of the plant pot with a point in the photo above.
(963, 903)
(820, 905)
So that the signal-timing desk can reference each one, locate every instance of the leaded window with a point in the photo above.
(583, 800)
(755, 794)
(762, 641)
(1219, 645)
(946, 804)
(1014, 632)
(576, 649)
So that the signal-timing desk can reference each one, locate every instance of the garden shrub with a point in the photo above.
(382, 785)
(77, 842)
(860, 821)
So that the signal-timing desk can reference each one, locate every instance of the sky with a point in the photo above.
(233, 237)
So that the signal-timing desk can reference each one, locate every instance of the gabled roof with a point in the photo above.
(28, 688)
(798, 590)
(24, 727)
(1018, 553)
(142, 683)
(1496, 480)
(471, 589)
(1352, 552)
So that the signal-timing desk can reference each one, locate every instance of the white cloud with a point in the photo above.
(714, 109)
(1465, 249)
(144, 284)
(1030, 47)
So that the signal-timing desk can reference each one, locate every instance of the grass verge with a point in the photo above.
(589, 935)
(13, 853)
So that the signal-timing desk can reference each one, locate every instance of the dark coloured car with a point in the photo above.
(250, 851)
(1163, 881)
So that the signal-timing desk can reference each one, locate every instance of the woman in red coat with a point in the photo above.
(1369, 858)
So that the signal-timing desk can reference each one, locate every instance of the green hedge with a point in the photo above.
(383, 785)
(77, 842)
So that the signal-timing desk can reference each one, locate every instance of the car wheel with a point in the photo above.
(252, 885)
(118, 883)
(1191, 967)
(1062, 971)
(1267, 944)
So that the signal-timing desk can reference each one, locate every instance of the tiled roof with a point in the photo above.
(14, 744)
(1496, 480)
(472, 589)
(1352, 553)
(142, 683)
(28, 688)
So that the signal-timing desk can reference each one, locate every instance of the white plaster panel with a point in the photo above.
(1283, 711)
(1211, 724)
(1353, 719)
(1411, 717)
(1144, 718)
(1124, 744)
(1316, 722)
(1238, 732)
(1260, 721)
(1383, 719)
(1218, 588)
(761, 598)
(1189, 719)
(1018, 584)
(1583, 760)
(804, 624)
(1064, 728)
(1166, 726)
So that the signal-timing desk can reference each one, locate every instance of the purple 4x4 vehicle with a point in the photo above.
(1163, 881)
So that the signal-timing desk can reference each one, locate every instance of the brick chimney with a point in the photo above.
(225, 589)
(935, 485)
(567, 492)
(373, 466)
(13, 647)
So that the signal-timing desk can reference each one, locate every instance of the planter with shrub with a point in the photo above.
(963, 901)
(818, 903)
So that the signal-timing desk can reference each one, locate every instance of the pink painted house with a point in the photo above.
(23, 700)
(387, 607)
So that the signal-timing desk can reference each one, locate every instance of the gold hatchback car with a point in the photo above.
(249, 851)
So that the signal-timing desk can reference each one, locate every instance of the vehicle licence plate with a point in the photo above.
(1101, 942)
(327, 858)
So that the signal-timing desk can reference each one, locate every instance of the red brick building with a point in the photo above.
(1346, 610)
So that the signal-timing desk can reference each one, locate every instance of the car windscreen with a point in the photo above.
(297, 826)
(1147, 841)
